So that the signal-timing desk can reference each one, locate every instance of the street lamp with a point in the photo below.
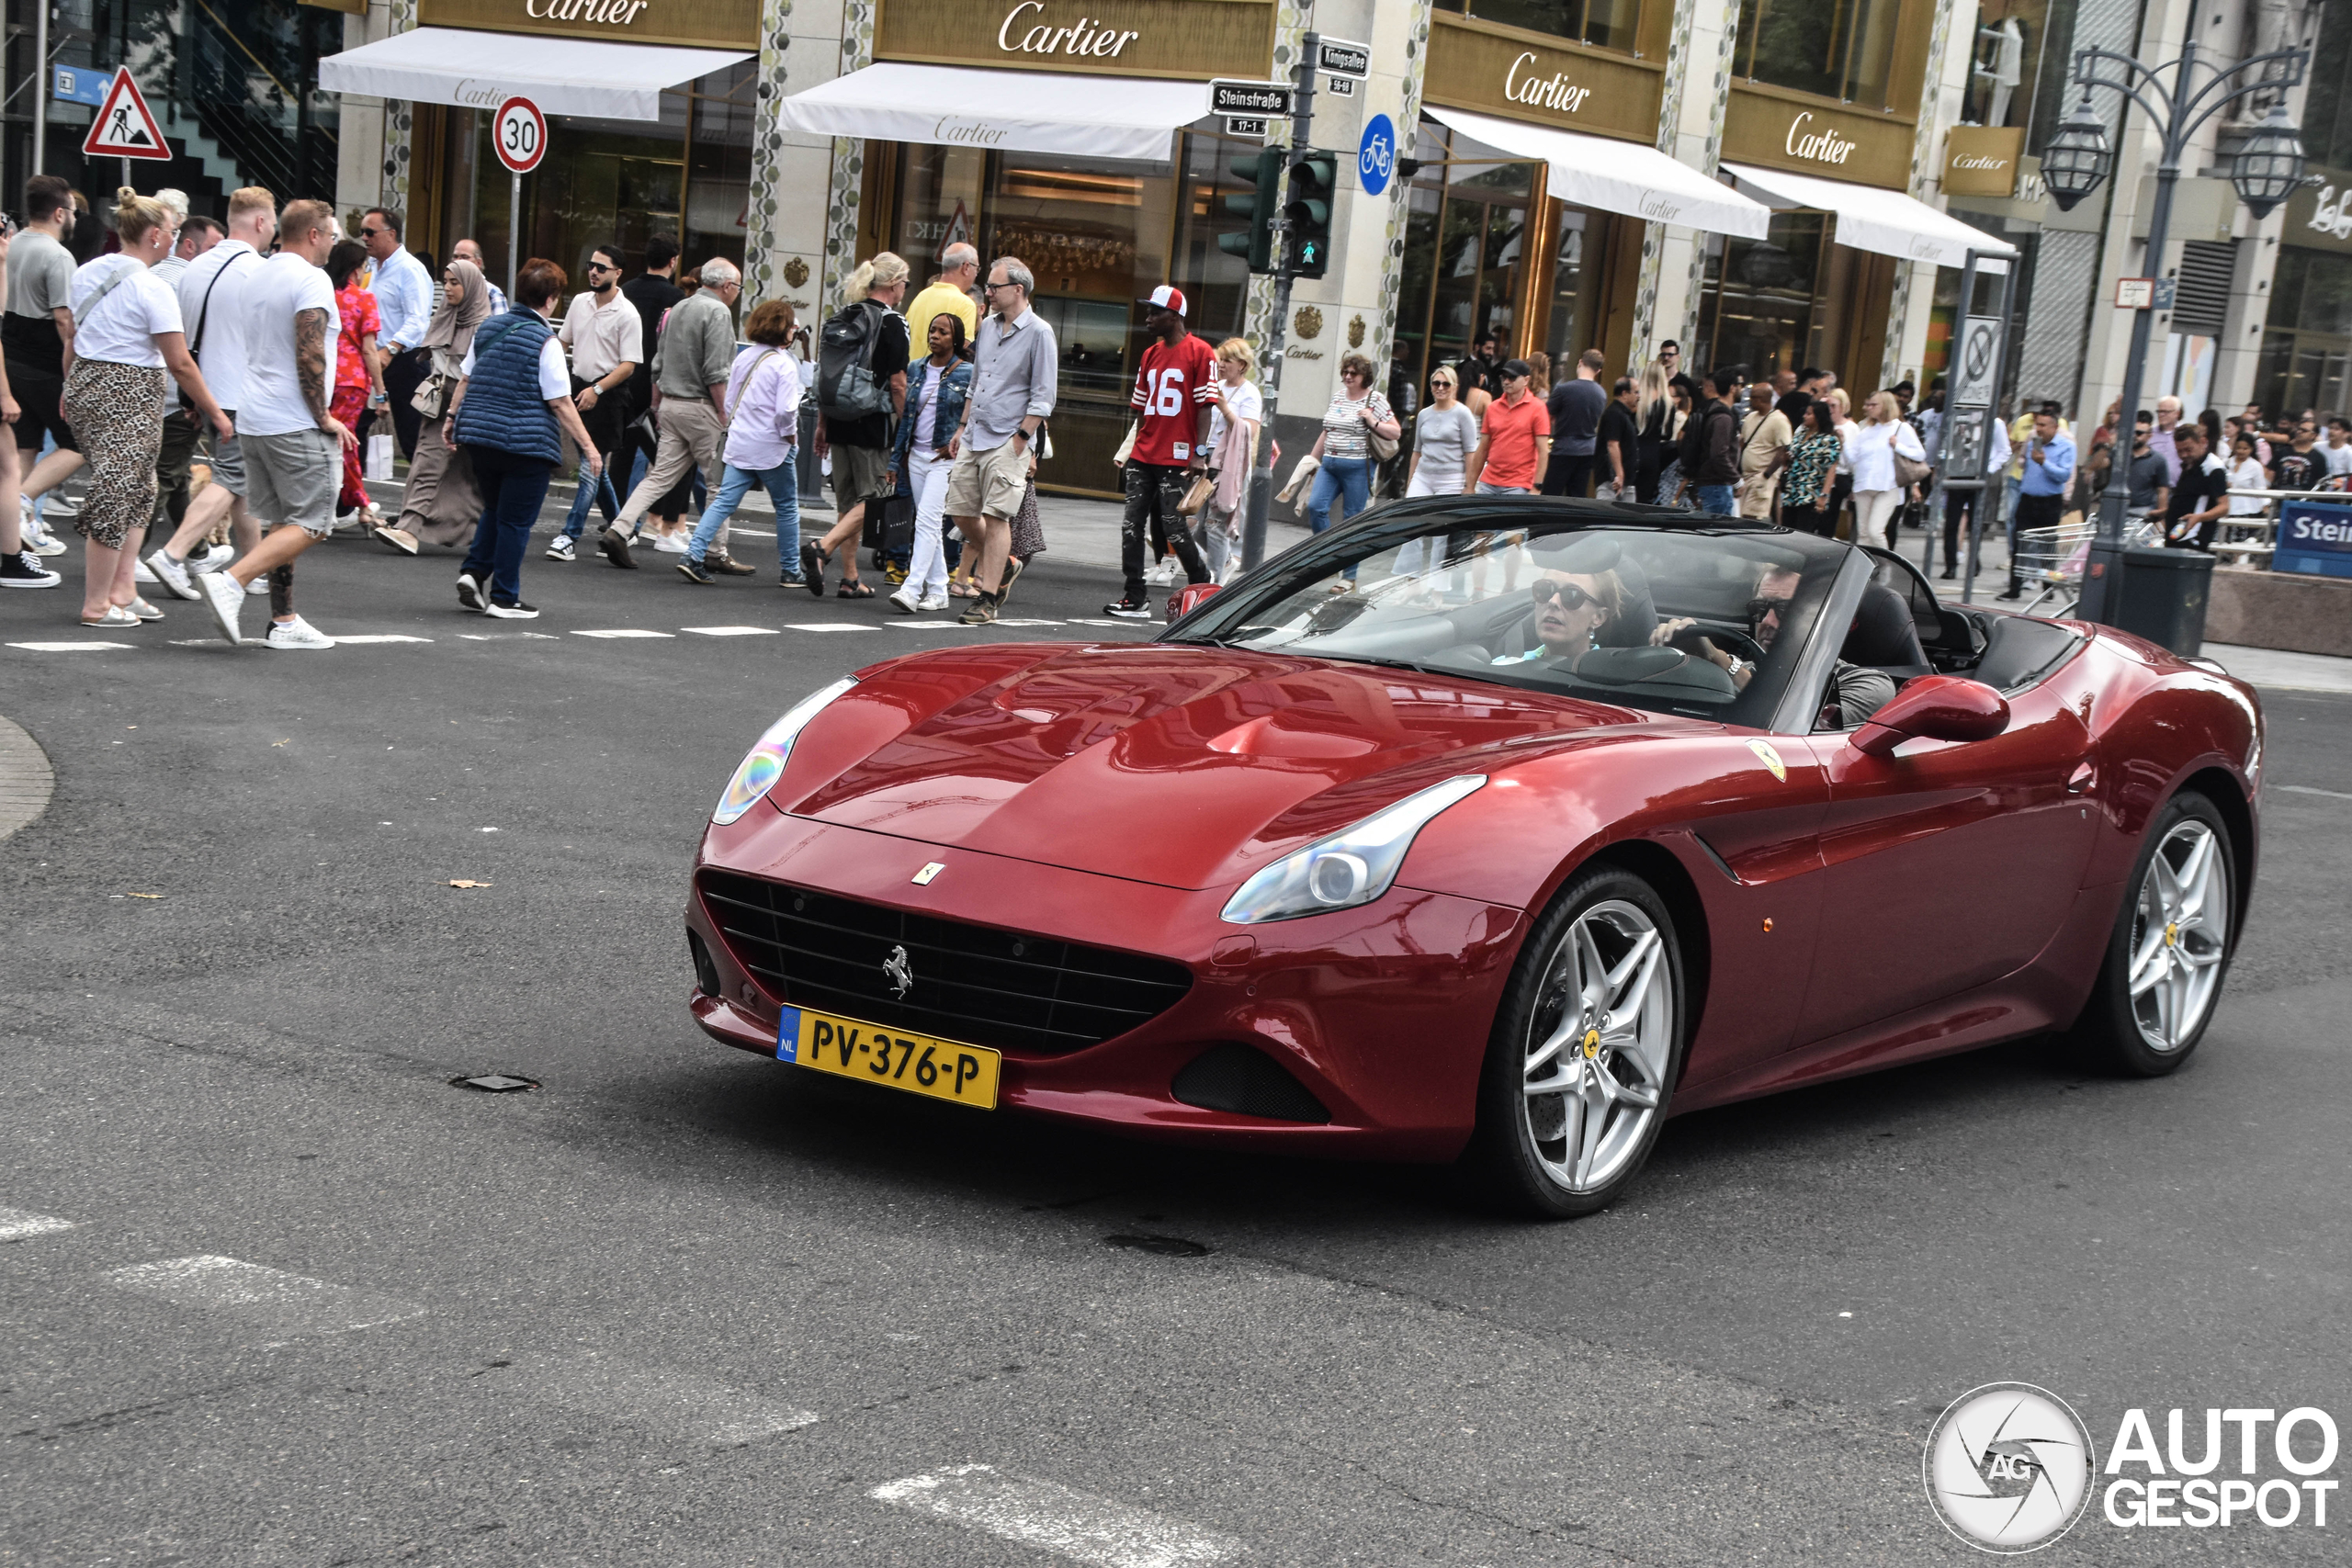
(2268, 167)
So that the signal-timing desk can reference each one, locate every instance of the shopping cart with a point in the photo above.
(2050, 560)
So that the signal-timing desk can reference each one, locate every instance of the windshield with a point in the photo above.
(1704, 621)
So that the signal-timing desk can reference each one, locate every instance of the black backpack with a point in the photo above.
(846, 388)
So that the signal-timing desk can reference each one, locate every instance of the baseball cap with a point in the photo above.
(1166, 296)
(1517, 367)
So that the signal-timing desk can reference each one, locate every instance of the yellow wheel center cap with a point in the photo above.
(2172, 935)
(1592, 1042)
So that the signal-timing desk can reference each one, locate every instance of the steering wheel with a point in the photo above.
(1737, 642)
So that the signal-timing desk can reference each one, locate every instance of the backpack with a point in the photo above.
(1693, 452)
(846, 388)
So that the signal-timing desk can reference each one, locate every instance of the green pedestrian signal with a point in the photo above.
(1314, 178)
(1257, 243)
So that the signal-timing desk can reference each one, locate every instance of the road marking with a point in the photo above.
(344, 641)
(283, 1303)
(690, 1408)
(732, 631)
(1080, 1527)
(2310, 789)
(830, 627)
(625, 631)
(16, 1224)
(926, 626)
(67, 647)
(1026, 622)
(514, 637)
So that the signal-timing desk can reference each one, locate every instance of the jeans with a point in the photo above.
(512, 490)
(1349, 478)
(1155, 493)
(1570, 473)
(600, 492)
(1714, 500)
(1874, 512)
(927, 564)
(1486, 488)
(783, 485)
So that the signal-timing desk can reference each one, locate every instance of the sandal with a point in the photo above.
(144, 611)
(851, 588)
(116, 618)
(959, 588)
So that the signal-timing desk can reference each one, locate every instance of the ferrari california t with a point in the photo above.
(1486, 830)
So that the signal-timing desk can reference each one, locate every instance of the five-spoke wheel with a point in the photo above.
(2170, 949)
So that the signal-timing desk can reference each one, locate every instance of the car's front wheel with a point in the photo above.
(2170, 949)
(1584, 1050)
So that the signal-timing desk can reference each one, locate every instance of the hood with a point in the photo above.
(1181, 765)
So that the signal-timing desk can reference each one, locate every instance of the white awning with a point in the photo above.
(1025, 111)
(482, 71)
(1869, 218)
(1618, 177)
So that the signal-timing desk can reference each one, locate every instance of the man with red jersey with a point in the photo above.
(1175, 390)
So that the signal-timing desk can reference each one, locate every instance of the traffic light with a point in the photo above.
(1263, 171)
(1313, 177)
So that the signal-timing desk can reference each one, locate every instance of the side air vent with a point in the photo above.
(1247, 1082)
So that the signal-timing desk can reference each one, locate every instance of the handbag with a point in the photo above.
(1203, 486)
(1383, 447)
(1119, 457)
(431, 397)
(1909, 471)
(898, 525)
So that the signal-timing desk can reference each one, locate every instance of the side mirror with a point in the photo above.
(1190, 599)
(1937, 707)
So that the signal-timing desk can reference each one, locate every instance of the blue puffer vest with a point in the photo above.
(504, 407)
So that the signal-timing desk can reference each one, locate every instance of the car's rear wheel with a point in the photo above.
(1585, 1051)
(2170, 949)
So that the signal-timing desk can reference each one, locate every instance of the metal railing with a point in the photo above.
(2249, 538)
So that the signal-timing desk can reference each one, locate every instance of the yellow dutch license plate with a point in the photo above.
(943, 1069)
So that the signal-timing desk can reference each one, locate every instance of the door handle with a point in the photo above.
(2080, 779)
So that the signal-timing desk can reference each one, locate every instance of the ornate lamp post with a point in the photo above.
(2266, 170)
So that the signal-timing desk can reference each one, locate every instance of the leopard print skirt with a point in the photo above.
(116, 412)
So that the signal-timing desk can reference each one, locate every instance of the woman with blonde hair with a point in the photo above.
(1661, 427)
(1234, 423)
(126, 334)
(1871, 451)
(859, 444)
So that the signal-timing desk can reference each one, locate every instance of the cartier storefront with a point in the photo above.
(1075, 137)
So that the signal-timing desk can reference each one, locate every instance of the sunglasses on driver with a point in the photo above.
(1570, 596)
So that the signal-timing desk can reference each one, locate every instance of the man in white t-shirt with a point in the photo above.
(213, 293)
(292, 445)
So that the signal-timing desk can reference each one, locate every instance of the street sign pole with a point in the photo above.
(1261, 473)
(513, 231)
(1965, 375)
(40, 98)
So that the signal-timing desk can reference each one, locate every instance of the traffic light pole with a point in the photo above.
(1261, 473)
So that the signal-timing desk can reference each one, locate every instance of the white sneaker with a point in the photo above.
(142, 572)
(64, 506)
(297, 633)
(228, 602)
(214, 558)
(39, 540)
(258, 586)
(670, 544)
(936, 601)
(172, 574)
(904, 602)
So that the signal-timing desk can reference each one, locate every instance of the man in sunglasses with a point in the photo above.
(404, 294)
(602, 332)
(1857, 691)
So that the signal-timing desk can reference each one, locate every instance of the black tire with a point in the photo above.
(2109, 1032)
(1508, 1160)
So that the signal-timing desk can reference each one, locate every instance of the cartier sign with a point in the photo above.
(725, 24)
(1982, 159)
(2318, 216)
(1515, 74)
(1177, 39)
(1838, 142)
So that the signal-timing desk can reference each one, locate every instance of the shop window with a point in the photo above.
(1604, 24)
(2306, 360)
(1757, 307)
(1577, 264)
(718, 165)
(1466, 237)
(1841, 49)
(2327, 101)
(2022, 59)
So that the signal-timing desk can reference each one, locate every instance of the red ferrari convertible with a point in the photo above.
(1487, 830)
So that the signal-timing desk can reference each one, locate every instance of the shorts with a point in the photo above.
(227, 458)
(37, 393)
(989, 483)
(860, 474)
(293, 480)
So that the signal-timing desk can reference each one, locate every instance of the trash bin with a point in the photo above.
(2164, 592)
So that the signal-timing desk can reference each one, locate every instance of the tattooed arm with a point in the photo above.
(310, 371)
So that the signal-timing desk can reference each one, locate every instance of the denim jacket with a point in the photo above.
(953, 390)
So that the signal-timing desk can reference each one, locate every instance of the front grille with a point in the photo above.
(980, 984)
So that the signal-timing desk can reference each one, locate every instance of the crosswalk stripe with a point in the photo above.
(624, 631)
(67, 647)
(926, 626)
(16, 1224)
(830, 627)
(514, 637)
(271, 1298)
(692, 1408)
(731, 631)
(1077, 1525)
(344, 639)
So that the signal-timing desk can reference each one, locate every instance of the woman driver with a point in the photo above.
(1570, 609)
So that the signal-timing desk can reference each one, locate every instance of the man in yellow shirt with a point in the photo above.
(950, 294)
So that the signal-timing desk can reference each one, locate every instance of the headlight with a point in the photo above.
(763, 765)
(1352, 867)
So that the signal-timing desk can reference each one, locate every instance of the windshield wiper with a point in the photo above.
(1380, 659)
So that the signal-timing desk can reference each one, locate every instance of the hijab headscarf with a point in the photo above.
(452, 327)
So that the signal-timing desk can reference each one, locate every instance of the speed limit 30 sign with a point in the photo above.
(520, 135)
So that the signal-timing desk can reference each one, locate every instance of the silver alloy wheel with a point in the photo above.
(2180, 932)
(1598, 1044)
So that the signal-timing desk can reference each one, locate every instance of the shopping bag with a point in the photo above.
(379, 457)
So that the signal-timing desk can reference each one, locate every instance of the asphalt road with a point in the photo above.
(683, 1306)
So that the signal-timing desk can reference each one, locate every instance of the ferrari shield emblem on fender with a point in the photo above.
(1771, 759)
(922, 879)
(900, 971)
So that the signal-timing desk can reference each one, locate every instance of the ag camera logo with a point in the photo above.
(2008, 1467)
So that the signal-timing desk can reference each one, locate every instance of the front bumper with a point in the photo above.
(1382, 1012)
